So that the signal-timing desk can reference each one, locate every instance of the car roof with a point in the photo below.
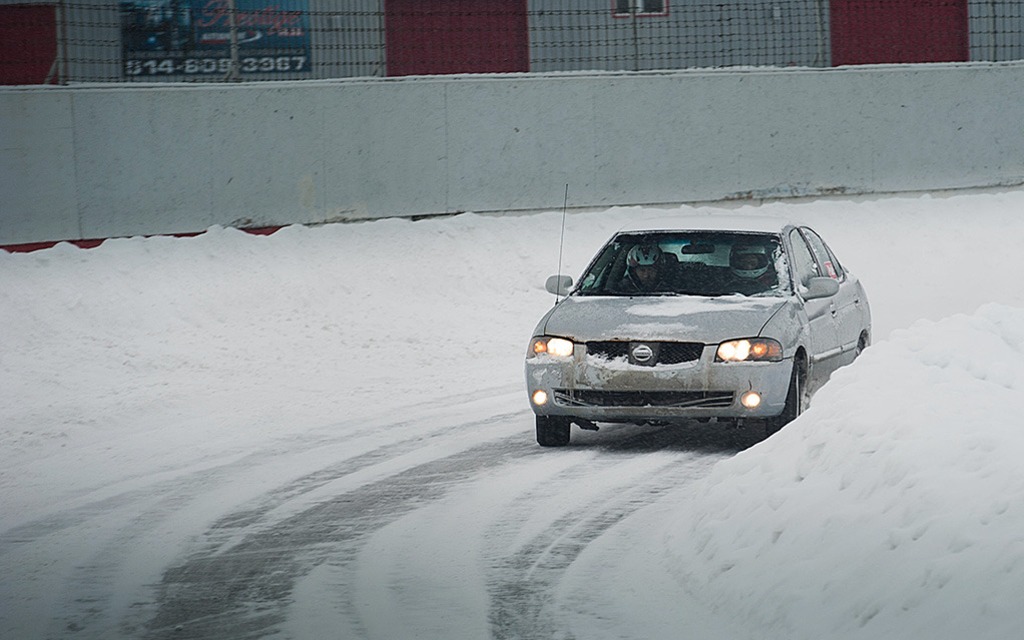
(710, 222)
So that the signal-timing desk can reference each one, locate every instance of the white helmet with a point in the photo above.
(643, 255)
(749, 261)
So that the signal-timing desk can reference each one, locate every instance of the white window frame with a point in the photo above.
(639, 8)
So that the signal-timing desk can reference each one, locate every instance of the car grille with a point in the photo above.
(665, 352)
(608, 349)
(598, 398)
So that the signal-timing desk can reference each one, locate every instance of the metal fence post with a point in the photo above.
(821, 60)
(636, 35)
(233, 74)
(59, 69)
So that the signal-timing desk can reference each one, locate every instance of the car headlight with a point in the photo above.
(552, 346)
(749, 350)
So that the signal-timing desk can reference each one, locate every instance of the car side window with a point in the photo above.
(803, 261)
(599, 273)
(823, 254)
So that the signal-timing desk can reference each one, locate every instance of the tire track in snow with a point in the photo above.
(99, 557)
(526, 582)
(238, 585)
(487, 558)
(240, 578)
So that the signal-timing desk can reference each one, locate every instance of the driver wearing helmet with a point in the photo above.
(751, 269)
(644, 267)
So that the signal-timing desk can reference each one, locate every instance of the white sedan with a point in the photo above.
(731, 318)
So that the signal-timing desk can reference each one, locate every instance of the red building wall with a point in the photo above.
(456, 36)
(28, 42)
(883, 31)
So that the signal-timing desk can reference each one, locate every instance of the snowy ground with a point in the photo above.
(169, 403)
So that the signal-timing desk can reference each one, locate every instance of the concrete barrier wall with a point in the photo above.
(89, 162)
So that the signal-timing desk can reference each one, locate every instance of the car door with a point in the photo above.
(849, 305)
(823, 339)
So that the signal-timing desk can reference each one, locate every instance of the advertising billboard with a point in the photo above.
(193, 37)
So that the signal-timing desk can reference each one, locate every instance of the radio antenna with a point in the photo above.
(561, 240)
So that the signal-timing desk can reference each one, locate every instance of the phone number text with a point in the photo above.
(200, 66)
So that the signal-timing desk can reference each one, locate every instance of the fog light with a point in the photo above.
(540, 397)
(751, 399)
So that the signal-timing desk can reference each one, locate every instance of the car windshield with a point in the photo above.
(701, 263)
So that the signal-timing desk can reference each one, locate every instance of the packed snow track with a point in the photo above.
(472, 531)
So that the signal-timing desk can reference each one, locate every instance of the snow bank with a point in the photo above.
(891, 509)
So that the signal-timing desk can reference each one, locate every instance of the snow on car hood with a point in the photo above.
(686, 318)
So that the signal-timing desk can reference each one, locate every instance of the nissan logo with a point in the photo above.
(642, 353)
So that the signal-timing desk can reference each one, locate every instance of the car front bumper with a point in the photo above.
(603, 390)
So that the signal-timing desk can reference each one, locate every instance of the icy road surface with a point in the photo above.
(445, 537)
(451, 524)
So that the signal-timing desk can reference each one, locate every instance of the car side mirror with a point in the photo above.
(558, 285)
(820, 287)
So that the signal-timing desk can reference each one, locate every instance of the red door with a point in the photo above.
(28, 42)
(456, 36)
(880, 31)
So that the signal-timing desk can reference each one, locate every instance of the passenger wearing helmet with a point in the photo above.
(751, 269)
(644, 267)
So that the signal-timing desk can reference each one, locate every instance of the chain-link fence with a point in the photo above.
(225, 40)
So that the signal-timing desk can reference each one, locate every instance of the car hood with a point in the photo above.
(677, 318)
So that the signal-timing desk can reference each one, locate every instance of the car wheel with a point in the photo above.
(552, 431)
(862, 344)
(794, 401)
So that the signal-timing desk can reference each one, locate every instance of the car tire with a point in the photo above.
(794, 401)
(862, 344)
(552, 431)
